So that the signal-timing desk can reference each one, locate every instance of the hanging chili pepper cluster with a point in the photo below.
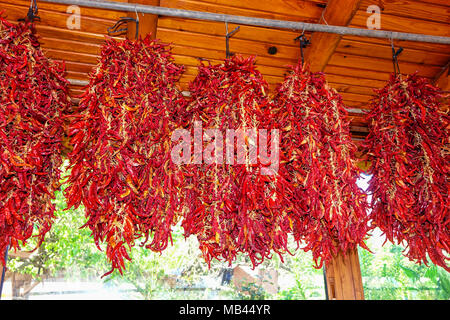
(320, 158)
(232, 201)
(33, 100)
(121, 134)
(408, 144)
(232, 205)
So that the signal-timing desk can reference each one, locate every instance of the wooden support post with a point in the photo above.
(3, 271)
(148, 23)
(343, 277)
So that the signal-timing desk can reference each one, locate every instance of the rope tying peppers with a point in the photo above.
(408, 144)
(33, 100)
(121, 166)
(233, 207)
(320, 158)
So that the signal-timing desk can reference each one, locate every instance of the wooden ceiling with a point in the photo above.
(353, 65)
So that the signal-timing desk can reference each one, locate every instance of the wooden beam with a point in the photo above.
(323, 45)
(442, 79)
(343, 277)
(148, 23)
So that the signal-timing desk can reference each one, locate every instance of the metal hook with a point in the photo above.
(395, 55)
(32, 12)
(114, 31)
(303, 44)
(227, 38)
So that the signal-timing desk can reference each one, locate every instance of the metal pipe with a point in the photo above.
(76, 82)
(356, 110)
(293, 25)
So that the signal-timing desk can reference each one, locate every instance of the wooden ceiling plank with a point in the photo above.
(355, 97)
(385, 52)
(62, 8)
(206, 53)
(271, 36)
(354, 81)
(71, 56)
(218, 43)
(444, 3)
(57, 19)
(75, 93)
(412, 9)
(323, 45)
(385, 65)
(356, 104)
(148, 23)
(304, 15)
(351, 88)
(303, 8)
(420, 46)
(402, 24)
(69, 45)
(356, 72)
(78, 66)
(71, 35)
(76, 75)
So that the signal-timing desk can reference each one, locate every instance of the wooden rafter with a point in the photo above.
(323, 45)
(442, 79)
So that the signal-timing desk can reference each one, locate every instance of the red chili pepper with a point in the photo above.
(408, 145)
(228, 207)
(33, 102)
(125, 181)
(329, 209)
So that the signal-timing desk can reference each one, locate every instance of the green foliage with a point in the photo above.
(389, 275)
(297, 292)
(251, 291)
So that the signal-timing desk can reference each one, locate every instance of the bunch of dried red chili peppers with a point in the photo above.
(232, 205)
(408, 145)
(121, 134)
(228, 194)
(320, 161)
(33, 100)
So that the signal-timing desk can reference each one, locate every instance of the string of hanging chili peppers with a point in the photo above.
(232, 205)
(122, 171)
(408, 146)
(33, 101)
(320, 160)
(121, 134)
